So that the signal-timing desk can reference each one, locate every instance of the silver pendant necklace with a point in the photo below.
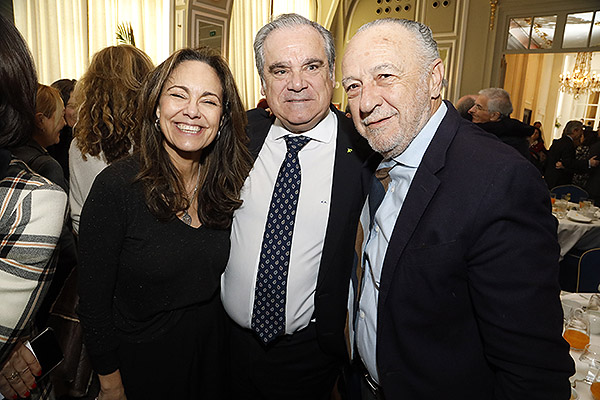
(186, 217)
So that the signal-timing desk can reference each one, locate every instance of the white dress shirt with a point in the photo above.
(375, 245)
(239, 279)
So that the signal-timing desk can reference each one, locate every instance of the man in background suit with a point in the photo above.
(460, 295)
(561, 162)
(288, 334)
(491, 112)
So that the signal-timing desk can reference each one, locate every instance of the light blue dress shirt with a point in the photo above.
(376, 241)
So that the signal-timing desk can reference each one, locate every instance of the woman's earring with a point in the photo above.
(218, 134)
(157, 124)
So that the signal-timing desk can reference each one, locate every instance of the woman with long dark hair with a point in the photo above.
(31, 218)
(154, 237)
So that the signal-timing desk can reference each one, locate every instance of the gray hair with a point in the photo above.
(498, 101)
(422, 34)
(291, 21)
(571, 126)
(420, 31)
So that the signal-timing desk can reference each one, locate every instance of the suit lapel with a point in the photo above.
(259, 124)
(422, 190)
(342, 191)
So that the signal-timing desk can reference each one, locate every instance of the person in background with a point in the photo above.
(562, 163)
(49, 121)
(582, 152)
(464, 104)
(286, 283)
(104, 133)
(154, 237)
(60, 151)
(460, 254)
(593, 183)
(491, 112)
(537, 150)
(32, 215)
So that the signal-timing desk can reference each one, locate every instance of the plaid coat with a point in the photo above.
(32, 212)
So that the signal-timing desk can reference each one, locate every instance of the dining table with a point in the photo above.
(581, 390)
(576, 232)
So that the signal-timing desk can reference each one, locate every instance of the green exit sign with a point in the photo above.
(212, 33)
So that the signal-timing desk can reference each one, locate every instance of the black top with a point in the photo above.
(38, 159)
(563, 150)
(138, 275)
(512, 132)
(60, 151)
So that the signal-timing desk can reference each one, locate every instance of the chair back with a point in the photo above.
(588, 271)
(574, 191)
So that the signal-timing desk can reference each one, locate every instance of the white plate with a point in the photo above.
(575, 216)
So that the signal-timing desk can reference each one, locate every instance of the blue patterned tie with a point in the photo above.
(268, 316)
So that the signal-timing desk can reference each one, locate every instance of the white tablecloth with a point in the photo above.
(583, 389)
(570, 233)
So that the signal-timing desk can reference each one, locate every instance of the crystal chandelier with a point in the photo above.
(581, 81)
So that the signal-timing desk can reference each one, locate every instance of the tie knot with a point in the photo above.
(383, 173)
(295, 143)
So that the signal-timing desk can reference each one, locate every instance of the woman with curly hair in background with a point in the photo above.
(104, 130)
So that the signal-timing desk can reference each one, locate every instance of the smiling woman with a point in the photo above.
(190, 110)
(150, 304)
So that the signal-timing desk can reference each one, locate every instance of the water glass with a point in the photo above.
(594, 302)
(561, 208)
(591, 357)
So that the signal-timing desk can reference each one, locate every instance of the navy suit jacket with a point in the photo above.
(469, 298)
(331, 297)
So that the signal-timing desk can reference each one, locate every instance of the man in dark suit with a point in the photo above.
(460, 294)
(561, 162)
(491, 112)
(288, 322)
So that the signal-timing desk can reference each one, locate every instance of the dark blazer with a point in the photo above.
(331, 298)
(563, 150)
(469, 297)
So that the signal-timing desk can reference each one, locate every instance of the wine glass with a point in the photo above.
(595, 388)
(577, 329)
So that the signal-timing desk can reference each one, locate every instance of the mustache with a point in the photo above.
(375, 118)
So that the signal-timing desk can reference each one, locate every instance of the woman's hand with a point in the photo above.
(17, 376)
(111, 387)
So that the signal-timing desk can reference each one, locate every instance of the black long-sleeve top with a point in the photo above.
(138, 274)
